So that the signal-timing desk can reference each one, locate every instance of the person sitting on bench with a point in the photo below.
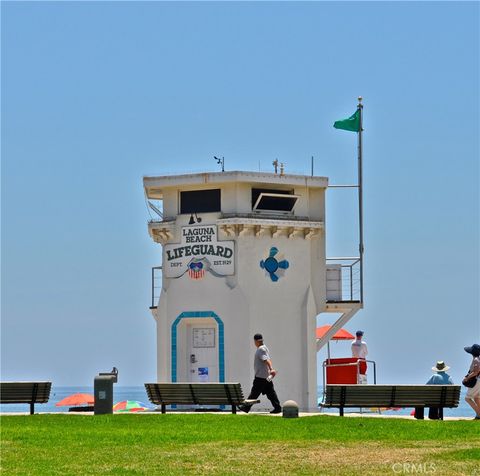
(440, 377)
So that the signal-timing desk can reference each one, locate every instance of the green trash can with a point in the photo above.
(103, 392)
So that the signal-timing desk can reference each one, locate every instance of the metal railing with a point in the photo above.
(355, 364)
(156, 285)
(350, 278)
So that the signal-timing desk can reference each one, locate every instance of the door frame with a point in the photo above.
(174, 346)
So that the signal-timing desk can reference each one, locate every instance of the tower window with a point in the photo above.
(273, 200)
(200, 201)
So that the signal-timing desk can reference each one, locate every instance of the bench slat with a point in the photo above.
(25, 392)
(350, 396)
(195, 393)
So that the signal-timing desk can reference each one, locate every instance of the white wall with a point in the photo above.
(256, 304)
(250, 302)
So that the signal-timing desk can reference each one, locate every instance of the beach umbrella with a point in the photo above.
(76, 399)
(341, 334)
(130, 406)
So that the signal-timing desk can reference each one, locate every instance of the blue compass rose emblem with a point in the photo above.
(274, 265)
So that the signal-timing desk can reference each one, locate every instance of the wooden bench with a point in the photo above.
(197, 394)
(404, 396)
(25, 392)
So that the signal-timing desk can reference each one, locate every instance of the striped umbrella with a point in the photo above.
(130, 406)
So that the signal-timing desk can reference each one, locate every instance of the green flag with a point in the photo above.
(350, 124)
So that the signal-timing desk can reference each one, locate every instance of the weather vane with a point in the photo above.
(220, 161)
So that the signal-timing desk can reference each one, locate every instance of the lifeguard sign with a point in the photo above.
(198, 253)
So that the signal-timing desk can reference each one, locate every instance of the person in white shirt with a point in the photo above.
(360, 351)
(359, 347)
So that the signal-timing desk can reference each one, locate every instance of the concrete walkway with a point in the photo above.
(302, 414)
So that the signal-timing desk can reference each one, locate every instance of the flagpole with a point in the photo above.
(360, 194)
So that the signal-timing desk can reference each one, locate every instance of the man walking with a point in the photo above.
(264, 373)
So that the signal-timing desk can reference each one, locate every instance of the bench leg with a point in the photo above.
(234, 410)
(440, 413)
(32, 408)
(164, 408)
(341, 411)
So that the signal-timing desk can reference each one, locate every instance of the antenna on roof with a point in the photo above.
(220, 161)
(275, 165)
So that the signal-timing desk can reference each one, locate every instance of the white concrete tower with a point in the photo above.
(242, 252)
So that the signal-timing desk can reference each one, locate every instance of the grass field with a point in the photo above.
(236, 444)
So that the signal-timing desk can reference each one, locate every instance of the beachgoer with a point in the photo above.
(264, 372)
(440, 377)
(473, 394)
(360, 351)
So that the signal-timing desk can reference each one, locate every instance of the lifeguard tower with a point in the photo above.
(244, 252)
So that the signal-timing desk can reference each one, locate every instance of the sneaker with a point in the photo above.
(276, 410)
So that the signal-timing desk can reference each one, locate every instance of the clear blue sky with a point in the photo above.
(96, 95)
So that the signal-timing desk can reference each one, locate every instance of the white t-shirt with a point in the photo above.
(359, 349)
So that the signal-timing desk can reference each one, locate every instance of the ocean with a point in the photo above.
(121, 393)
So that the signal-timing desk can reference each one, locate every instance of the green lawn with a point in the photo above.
(236, 444)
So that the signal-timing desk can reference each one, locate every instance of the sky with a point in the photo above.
(94, 96)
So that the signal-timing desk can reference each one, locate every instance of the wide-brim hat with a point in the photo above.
(474, 350)
(441, 367)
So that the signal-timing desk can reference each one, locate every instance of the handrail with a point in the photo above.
(351, 279)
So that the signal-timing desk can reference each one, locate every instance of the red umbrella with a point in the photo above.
(341, 334)
(76, 399)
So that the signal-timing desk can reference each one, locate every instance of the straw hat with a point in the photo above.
(441, 367)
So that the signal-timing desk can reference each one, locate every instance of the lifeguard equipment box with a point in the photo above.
(242, 252)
